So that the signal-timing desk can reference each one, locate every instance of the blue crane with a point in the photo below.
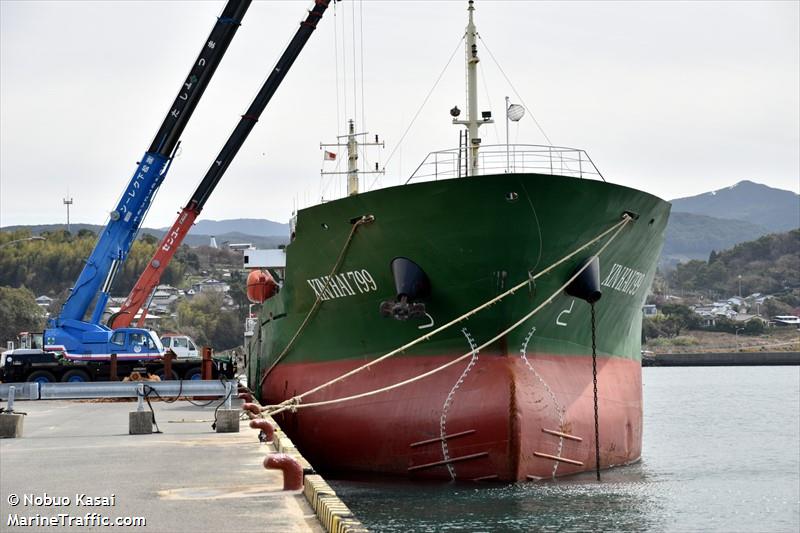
(71, 333)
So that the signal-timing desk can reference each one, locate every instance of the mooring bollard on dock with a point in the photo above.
(10, 422)
(227, 418)
(267, 429)
(140, 422)
(292, 471)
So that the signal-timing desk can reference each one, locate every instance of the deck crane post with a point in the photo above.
(180, 228)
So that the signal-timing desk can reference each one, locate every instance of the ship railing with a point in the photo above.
(508, 159)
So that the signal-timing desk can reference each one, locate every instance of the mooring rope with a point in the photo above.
(293, 403)
(363, 220)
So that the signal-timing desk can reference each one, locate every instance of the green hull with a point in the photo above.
(473, 243)
(521, 408)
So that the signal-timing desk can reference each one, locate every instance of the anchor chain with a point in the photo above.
(594, 382)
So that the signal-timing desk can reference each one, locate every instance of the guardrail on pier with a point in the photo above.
(115, 389)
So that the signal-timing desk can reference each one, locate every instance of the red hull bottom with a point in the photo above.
(498, 419)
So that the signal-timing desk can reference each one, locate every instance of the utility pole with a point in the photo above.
(68, 203)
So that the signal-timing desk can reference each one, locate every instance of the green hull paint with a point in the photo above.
(473, 243)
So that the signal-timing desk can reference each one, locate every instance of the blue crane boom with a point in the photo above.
(69, 331)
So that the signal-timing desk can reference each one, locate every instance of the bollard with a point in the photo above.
(228, 394)
(227, 419)
(266, 428)
(246, 396)
(140, 422)
(292, 471)
(10, 422)
(12, 390)
(205, 370)
(168, 365)
(252, 409)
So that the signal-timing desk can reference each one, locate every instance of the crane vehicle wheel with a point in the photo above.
(161, 374)
(75, 376)
(193, 374)
(41, 377)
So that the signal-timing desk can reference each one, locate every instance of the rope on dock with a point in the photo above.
(294, 403)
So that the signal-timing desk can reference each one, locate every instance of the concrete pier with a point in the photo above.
(723, 359)
(77, 461)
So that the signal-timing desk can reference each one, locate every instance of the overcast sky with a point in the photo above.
(674, 98)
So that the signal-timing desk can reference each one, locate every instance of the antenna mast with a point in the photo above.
(473, 123)
(68, 202)
(352, 157)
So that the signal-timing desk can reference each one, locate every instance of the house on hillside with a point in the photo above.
(743, 318)
(786, 320)
(710, 313)
(737, 302)
(116, 301)
(163, 297)
(210, 285)
(44, 301)
(649, 310)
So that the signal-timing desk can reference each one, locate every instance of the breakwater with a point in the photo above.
(723, 359)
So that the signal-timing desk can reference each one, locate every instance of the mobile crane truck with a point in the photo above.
(75, 349)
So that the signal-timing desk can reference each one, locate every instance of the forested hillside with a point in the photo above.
(768, 265)
(52, 265)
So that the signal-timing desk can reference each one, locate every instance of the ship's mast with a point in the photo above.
(352, 160)
(473, 122)
(352, 145)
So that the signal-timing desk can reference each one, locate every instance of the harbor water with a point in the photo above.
(721, 452)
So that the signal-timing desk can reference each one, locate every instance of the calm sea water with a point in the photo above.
(721, 453)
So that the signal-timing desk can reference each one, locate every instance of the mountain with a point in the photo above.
(246, 226)
(774, 209)
(689, 236)
(261, 233)
(720, 219)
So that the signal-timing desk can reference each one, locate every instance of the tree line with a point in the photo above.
(31, 268)
(768, 265)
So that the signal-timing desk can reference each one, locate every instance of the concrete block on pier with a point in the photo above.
(228, 420)
(140, 422)
(10, 425)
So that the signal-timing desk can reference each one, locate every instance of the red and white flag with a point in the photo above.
(330, 156)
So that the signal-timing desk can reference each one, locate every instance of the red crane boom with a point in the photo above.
(151, 276)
